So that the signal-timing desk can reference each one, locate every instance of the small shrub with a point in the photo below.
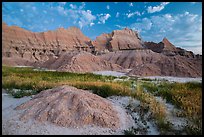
(17, 93)
(129, 132)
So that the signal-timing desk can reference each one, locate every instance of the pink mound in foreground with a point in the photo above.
(70, 107)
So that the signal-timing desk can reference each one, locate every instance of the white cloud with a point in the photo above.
(144, 25)
(143, 13)
(82, 5)
(86, 19)
(117, 14)
(62, 10)
(131, 4)
(103, 18)
(183, 30)
(108, 7)
(133, 14)
(151, 9)
(73, 6)
(77, 14)
(80, 24)
(91, 24)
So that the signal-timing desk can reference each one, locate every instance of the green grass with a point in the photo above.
(28, 79)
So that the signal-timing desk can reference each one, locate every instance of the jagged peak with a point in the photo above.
(168, 45)
(165, 39)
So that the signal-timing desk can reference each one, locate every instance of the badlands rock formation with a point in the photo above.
(70, 107)
(30, 46)
(125, 39)
(171, 66)
(102, 42)
(149, 63)
(156, 47)
(79, 62)
(65, 50)
(132, 58)
(167, 48)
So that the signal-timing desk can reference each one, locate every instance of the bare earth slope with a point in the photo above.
(70, 107)
(80, 62)
(149, 63)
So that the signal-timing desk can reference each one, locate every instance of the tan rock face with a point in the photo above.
(80, 62)
(70, 107)
(31, 46)
(125, 39)
(102, 42)
(119, 40)
(168, 45)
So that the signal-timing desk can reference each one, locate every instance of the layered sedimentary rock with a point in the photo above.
(131, 58)
(102, 42)
(125, 39)
(156, 47)
(149, 63)
(79, 62)
(171, 66)
(70, 107)
(18, 42)
(167, 48)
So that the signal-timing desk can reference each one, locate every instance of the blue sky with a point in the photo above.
(180, 22)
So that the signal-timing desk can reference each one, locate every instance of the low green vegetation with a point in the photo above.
(28, 79)
(18, 93)
(185, 96)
